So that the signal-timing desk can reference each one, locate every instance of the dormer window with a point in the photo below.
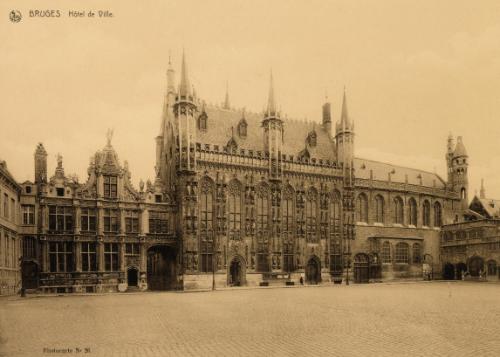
(60, 191)
(110, 187)
(311, 139)
(202, 121)
(242, 128)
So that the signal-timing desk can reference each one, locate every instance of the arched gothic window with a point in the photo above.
(203, 121)
(335, 241)
(206, 226)
(438, 222)
(412, 212)
(362, 208)
(379, 209)
(311, 213)
(417, 253)
(402, 253)
(426, 214)
(398, 210)
(262, 204)
(234, 208)
(386, 252)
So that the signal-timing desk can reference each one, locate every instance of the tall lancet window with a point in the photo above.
(262, 253)
(335, 241)
(234, 205)
(426, 214)
(288, 241)
(206, 226)
(398, 210)
(379, 209)
(311, 214)
(412, 212)
(362, 208)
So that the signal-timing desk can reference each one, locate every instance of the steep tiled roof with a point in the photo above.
(381, 170)
(220, 121)
(491, 206)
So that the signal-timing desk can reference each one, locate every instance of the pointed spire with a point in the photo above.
(459, 148)
(226, 100)
(184, 87)
(482, 192)
(271, 104)
(344, 119)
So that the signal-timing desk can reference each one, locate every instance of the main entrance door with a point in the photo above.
(132, 277)
(313, 271)
(30, 275)
(161, 268)
(235, 273)
(361, 268)
(448, 272)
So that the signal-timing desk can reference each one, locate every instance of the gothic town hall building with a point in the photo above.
(239, 198)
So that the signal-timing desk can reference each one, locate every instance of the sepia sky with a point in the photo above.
(414, 71)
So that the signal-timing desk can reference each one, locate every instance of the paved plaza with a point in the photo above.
(405, 319)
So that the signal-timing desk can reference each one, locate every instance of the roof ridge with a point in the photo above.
(401, 166)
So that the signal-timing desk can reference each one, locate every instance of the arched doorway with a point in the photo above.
(313, 270)
(476, 266)
(448, 272)
(29, 275)
(236, 274)
(132, 276)
(162, 272)
(361, 268)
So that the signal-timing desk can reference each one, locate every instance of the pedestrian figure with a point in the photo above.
(301, 281)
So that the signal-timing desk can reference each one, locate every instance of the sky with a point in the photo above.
(414, 71)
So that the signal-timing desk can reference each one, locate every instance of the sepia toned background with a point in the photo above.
(414, 72)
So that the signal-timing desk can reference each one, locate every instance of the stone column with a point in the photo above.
(78, 219)
(100, 256)
(45, 256)
(100, 221)
(122, 256)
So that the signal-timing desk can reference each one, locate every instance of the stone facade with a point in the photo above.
(10, 249)
(471, 249)
(239, 198)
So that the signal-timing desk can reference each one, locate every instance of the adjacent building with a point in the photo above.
(471, 248)
(239, 198)
(10, 250)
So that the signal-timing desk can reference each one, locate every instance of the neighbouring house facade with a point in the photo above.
(10, 249)
(239, 198)
(471, 249)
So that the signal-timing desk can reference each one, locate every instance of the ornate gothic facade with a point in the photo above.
(239, 198)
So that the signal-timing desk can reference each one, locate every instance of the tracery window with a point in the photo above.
(426, 214)
(335, 241)
(206, 211)
(402, 253)
(234, 205)
(386, 252)
(262, 253)
(398, 210)
(379, 209)
(362, 208)
(311, 214)
(412, 212)
(438, 222)
(288, 216)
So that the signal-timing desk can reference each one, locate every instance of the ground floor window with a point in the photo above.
(386, 252)
(111, 257)
(89, 257)
(492, 267)
(288, 257)
(402, 253)
(61, 256)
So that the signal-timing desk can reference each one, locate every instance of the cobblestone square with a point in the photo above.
(406, 319)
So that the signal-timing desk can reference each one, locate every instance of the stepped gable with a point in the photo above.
(381, 172)
(222, 122)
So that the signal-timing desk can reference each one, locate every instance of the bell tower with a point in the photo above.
(459, 172)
